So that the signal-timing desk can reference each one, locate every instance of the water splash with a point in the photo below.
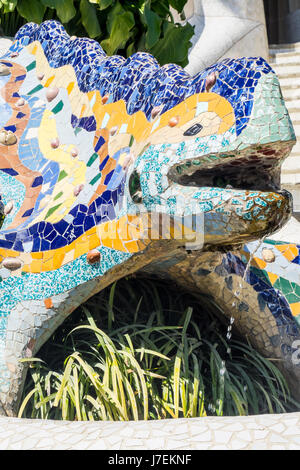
(237, 292)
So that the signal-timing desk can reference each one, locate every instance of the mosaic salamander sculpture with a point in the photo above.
(108, 165)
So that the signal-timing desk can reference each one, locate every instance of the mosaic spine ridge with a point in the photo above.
(60, 50)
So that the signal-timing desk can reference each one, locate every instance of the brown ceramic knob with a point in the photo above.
(20, 102)
(74, 152)
(10, 138)
(173, 121)
(155, 111)
(210, 81)
(3, 137)
(113, 130)
(40, 76)
(4, 70)
(52, 93)
(93, 256)
(55, 143)
(7, 137)
(11, 263)
(105, 99)
(78, 189)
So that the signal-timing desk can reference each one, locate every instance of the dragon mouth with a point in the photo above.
(252, 205)
(256, 170)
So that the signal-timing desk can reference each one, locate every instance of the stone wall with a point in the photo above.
(234, 28)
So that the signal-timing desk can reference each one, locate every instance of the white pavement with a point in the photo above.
(263, 432)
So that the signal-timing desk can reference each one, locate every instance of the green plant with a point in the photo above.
(149, 352)
(121, 26)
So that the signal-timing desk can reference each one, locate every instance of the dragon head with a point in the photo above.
(217, 154)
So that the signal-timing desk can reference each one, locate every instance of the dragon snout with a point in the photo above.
(280, 205)
(248, 217)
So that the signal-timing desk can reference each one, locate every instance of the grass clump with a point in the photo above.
(142, 350)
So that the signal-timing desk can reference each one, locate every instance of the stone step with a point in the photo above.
(291, 164)
(287, 58)
(293, 106)
(291, 93)
(282, 70)
(289, 80)
(296, 148)
(293, 111)
(284, 48)
(285, 61)
(296, 125)
(290, 179)
(294, 119)
(295, 115)
(295, 192)
(295, 153)
(293, 158)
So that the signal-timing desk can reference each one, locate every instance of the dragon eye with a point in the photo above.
(135, 187)
(2, 213)
(195, 129)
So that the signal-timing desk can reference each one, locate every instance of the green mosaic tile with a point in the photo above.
(58, 107)
(35, 89)
(62, 175)
(94, 157)
(31, 66)
(95, 179)
(58, 196)
(51, 210)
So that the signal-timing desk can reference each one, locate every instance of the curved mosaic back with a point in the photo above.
(94, 148)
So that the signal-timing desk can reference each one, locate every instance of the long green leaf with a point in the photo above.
(31, 10)
(89, 18)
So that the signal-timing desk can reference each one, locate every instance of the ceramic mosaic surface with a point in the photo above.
(282, 275)
(93, 148)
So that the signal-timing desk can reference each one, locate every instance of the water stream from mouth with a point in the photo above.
(236, 300)
(237, 292)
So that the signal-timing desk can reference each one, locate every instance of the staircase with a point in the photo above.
(285, 60)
